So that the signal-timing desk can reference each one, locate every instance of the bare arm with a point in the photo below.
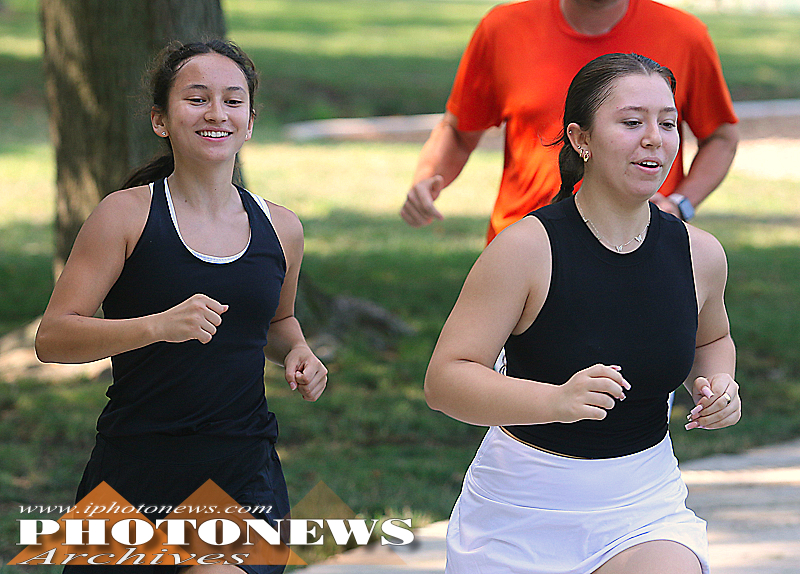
(709, 167)
(502, 295)
(442, 158)
(715, 354)
(711, 163)
(286, 344)
(70, 333)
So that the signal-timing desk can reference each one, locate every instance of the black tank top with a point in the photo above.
(637, 310)
(191, 400)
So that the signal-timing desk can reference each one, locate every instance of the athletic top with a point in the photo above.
(191, 399)
(518, 67)
(637, 310)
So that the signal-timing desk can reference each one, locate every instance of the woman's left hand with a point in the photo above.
(305, 373)
(717, 401)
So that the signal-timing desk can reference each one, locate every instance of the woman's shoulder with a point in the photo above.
(523, 243)
(124, 209)
(528, 229)
(133, 198)
(287, 226)
(285, 218)
(704, 245)
(708, 255)
(117, 220)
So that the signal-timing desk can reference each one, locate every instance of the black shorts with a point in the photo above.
(251, 475)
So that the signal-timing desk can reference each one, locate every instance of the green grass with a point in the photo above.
(346, 58)
(758, 53)
(371, 438)
(353, 58)
(762, 241)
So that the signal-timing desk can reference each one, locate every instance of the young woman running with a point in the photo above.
(197, 281)
(604, 305)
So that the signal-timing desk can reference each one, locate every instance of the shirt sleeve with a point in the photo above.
(709, 103)
(473, 99)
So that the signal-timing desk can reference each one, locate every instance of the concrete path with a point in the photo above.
(751, 502)
(783, 113)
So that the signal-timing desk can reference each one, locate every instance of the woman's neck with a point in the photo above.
(615, 222)
(207, 186)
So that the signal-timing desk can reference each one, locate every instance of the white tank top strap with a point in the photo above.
(262, 203)
(201, 256)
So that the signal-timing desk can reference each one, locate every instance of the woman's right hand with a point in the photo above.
(591, 393)
(196, 318)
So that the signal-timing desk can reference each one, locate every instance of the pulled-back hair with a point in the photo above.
(590, 87)
(162, 77)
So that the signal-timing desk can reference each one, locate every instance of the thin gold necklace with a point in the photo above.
(618, 248)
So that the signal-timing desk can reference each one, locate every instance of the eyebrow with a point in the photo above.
(643, 109)
(204, 87)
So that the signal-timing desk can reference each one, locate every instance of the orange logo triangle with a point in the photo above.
(322, 503)
(223, 521)
(89, 535)
(209, 527)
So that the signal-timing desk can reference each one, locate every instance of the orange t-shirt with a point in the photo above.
(518, 67)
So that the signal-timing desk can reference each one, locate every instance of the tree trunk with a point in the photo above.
(95, 56)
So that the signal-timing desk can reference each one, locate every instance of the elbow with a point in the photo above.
(432, 394)
(42, 348)
(45, 344)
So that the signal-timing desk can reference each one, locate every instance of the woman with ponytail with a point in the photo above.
(197, 280)
(604, 305)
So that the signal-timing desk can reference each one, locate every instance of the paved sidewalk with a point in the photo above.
(784, 114)
(751, 502)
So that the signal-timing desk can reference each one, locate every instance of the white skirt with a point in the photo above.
(527, 511)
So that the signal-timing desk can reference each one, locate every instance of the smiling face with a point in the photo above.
(634, 137)
(208, 114)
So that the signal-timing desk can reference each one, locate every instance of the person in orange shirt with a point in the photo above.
(516, 71)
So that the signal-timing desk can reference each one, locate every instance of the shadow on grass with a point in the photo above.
(418, 274)
(371, 438)
(26, 273)
(46, 434)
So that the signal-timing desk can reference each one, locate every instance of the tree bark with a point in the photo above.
(95, 56)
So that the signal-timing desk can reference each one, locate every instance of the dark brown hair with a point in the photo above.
(590, 87)
(162, 77)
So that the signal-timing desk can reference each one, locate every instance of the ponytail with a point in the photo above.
(157, 168)
(570, 166)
